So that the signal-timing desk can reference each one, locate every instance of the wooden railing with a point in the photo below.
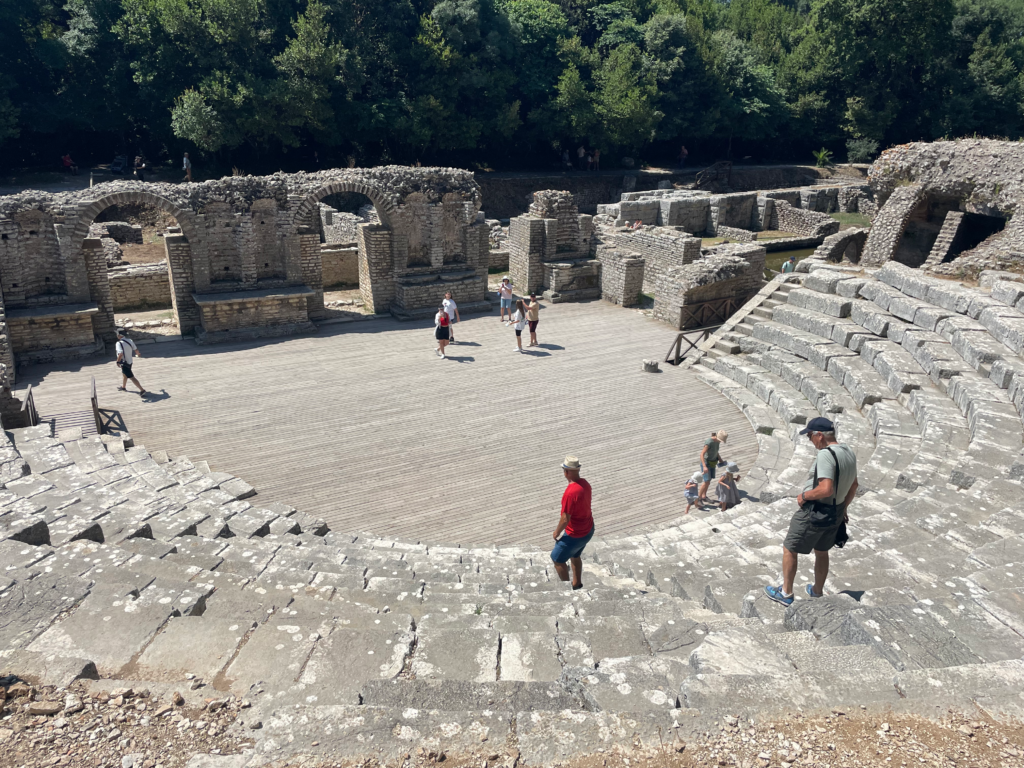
(676, 353)
(706, 313)
(30, 416)
(94, 399)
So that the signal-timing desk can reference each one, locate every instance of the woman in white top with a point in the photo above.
(519, 322)
(505, 294)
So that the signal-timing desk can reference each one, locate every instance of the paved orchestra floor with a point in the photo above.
(363, 425)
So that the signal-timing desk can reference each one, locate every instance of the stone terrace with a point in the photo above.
(363, 426)
(140, 568)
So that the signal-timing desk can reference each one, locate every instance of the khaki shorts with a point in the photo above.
(804, 536)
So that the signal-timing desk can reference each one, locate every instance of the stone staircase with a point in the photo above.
(136, 569)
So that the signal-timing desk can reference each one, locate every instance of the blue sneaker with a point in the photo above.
(775, 593)
(811, 592)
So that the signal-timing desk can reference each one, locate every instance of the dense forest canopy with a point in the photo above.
(504, 83)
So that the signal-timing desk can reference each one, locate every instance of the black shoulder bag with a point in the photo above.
(825, 515)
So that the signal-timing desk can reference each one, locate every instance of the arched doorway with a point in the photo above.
(370, 221)
(176, 240)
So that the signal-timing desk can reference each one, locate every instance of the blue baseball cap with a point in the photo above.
(818, 424)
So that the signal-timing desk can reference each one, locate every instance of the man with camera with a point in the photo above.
(830, 487)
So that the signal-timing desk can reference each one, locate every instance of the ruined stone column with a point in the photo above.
(312, 271)
(99, 289)
(179, 265)
(527, 246)
(376, 274)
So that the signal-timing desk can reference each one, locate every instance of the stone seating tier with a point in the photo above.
(139, 569)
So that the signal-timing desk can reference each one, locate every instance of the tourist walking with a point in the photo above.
(70, 166)
(823, 509)
(140, 167)
(726, 492)
(790, 265)
(597, 159)
(691, 490)
(126, 351)
(187, 167)
(452, 310)
(442, 330)
(709, 458)
(505, 295)
(519, 322)
(575, 525)
(683, 154)
(581, 157)
(533, 317)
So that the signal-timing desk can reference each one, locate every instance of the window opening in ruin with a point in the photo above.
(133, 238)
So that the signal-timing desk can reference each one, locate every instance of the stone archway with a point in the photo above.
(375, 243)
(179, 258)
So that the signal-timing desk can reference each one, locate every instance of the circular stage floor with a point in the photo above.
(362, 425)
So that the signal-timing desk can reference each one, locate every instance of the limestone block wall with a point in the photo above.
(179, 259)
(740, 235)
(141, 285)
(622, 276)
(338, 226)
(340, 264)
(801, 222)
(99, 289)
(733, 210)
(529, 245)
(46, 332)
(31, 268)
(731, 271)
(119, 231)
(254, 313)
(560, 206)
(660, 249)
(573, 280)
(412, 294)
(376, 273)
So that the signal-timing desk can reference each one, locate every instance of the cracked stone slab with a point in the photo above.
(450, 654)
(334, 732)
(348, 658)
(28, 608)
(500, 696)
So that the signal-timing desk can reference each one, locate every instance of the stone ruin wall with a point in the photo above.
(247, 234)
(141, 286)
(919, 186)
(734, 271)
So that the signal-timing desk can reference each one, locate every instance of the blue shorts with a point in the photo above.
(506, 303)
(568, 547)
(709, 475)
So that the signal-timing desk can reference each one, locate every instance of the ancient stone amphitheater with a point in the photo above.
(144, 570)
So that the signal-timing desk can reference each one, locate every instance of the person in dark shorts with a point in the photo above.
(831, 486)
(442, 330)
(709, 459)
(575, 526)
(533, 317)
(126, 351)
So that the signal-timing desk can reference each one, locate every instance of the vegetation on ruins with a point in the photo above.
(506, 83)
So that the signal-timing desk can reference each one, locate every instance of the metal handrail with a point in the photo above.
(28, 409)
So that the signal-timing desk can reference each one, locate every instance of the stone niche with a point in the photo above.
(551, 250)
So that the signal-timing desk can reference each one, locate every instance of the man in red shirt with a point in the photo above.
(575, 526)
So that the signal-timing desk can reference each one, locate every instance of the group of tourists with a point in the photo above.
(526, 316)
(818, 525)
(696, 489)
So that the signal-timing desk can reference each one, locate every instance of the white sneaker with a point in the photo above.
(516, 349)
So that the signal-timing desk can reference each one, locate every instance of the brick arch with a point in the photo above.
(385, 209)
(88, 214)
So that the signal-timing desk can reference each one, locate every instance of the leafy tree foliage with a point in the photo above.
(261, 82)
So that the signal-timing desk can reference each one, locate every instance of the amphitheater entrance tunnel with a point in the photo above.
(923, 228)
